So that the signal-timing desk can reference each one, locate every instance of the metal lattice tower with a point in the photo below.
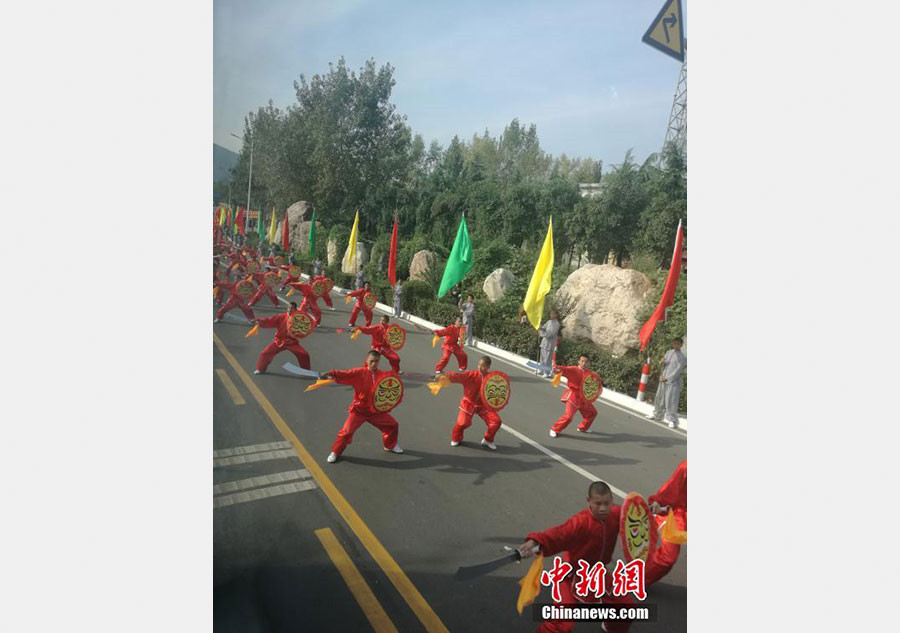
(677, 131)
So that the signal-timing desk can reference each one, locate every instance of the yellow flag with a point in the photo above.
(531, 583)
(350, 255)
(540, 281)
(222, 214)
(272, 228)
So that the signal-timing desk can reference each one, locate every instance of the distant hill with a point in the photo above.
(223, 160)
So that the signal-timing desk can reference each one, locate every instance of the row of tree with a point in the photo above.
(343, 146)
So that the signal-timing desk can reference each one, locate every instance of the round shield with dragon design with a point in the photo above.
(252, 266)
(396, 336)
(495, 390)
(270, 278)
(637, 529)
(329, 282)
(300, 324)
(369, 300)
(279, 260)
(245, 289)
(591, 385)
(388, 391)
(294, 271)
(319, 287)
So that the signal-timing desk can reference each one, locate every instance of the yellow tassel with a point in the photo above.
(216, 291)
(289, 292)
(434, 340)
(318, 384)
(556, 379)
(441, 382)
(355, 334)
(253, 331)
(348, 299)
(670, 532)
(530, 583)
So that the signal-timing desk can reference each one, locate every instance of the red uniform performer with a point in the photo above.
(235, 300)
(362, 409)
(265, 289)
(309, 303)
(672, 494)
(291, 278)
(574, 399)
(282, 342)
(472, 403)
(380, 344)
(590, 536)
(327, 296)
(359, 295)
(451, 346)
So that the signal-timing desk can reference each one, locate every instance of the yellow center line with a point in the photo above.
(356, 583)
(386, 562)
(232, 389)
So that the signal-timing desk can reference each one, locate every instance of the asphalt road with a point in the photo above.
(431, 509)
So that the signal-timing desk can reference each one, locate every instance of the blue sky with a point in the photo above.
(576, 69)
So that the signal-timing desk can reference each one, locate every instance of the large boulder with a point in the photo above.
(297, 216)
(362, 258)
(498, 284)
(604, 302)
(334, 255)
(420, 264)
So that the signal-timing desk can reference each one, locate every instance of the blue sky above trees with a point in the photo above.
(576, 69)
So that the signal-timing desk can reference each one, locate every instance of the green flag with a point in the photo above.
(259, 228)
(460, 261)
(312, 235)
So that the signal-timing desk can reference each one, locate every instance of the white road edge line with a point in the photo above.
(254, 457)
(251, 448)
(565, 462)
(258, 482)
(262, 493)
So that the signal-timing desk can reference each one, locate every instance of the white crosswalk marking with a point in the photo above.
(254, 457)
(262, 493)
(257, 482)
(253, 448)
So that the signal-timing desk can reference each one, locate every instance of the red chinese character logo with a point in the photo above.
(590, 579)
(629, 579)
(555, 576)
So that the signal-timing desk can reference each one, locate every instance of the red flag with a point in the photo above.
(285, 234)
(668, 295)
(392, 259)
(239, 220)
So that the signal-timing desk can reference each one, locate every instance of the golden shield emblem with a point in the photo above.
(329, 283)
(495, 390)
(270, 278)
(319, 287)
(396, 336)
(253, 266)
(294, 271)
(591, 386)
(245, 289)
(388, 392)
(300, 324)
(369, 300)
(637, 528)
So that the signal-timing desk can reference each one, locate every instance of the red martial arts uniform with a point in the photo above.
(283, 342)
(234, 301)
(264, 290)
(290, 278)
(451, 346)
(327, 296)
(309, 303)
(223, 287)
(361, 410)
(471, 404)
(585, 538)
(359, 294)
(672, 494)
(574, 401)
(237, 261)
(380, 344)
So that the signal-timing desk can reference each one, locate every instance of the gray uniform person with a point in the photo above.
(360, 279)
(670, 381)
(548, 333)
(398, 299)
(468, 318)
(317, 267)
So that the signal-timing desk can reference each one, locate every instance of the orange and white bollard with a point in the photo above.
(645, 378)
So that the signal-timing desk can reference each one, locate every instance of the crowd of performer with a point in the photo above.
(242, 277)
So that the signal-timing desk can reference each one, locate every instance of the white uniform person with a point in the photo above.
(668, 394)
(548, 333)
(398, 299)
(468, 318)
